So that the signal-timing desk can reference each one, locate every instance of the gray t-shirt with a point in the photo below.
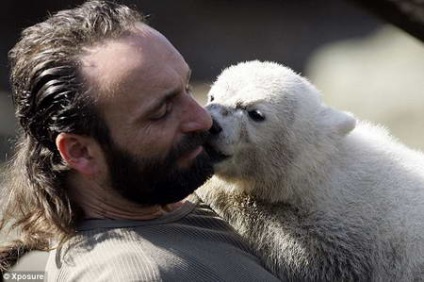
(189, 244)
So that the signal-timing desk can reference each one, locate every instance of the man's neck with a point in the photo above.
(99, 201)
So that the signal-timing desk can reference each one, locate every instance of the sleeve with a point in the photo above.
(102, 264)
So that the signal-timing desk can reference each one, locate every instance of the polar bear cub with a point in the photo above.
(318, 195)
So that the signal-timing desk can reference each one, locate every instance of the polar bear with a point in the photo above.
(319, 195)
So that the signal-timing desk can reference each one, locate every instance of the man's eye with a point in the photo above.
(162, 112)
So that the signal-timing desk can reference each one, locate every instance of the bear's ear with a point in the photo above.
(338, 121)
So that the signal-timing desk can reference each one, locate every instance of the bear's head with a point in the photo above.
(268, 122)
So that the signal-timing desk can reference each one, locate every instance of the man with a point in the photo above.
(111, 145)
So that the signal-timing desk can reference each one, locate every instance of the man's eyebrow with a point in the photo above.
(165, 98)
(159, 102)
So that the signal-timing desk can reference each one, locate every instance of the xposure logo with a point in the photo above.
(38, 276)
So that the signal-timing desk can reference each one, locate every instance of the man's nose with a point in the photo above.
(197, 119)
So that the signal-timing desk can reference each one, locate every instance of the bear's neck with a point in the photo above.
(304, 182)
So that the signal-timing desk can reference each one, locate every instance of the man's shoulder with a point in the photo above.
(104, 258)
(197, 247)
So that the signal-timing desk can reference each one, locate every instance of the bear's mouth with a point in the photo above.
(215, 155)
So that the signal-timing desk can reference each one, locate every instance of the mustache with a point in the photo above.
(190, 142)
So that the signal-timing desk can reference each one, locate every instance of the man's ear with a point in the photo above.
(80, 153)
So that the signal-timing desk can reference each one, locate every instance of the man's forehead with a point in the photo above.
(108, 63)
(115, 61)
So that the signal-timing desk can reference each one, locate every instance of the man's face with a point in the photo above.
(150, 181)
(157, 128)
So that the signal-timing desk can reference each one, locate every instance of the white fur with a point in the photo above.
(318, 195)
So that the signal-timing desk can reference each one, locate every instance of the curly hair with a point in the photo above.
(51, 96)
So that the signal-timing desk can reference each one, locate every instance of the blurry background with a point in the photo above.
(361, 63)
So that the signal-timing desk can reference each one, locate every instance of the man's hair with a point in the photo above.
(51, 96)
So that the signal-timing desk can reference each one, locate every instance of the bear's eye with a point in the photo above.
(211, 98)
(256, 115)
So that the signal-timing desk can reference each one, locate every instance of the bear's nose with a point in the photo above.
(216, 128)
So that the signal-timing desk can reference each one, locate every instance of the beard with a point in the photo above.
(158, 181)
